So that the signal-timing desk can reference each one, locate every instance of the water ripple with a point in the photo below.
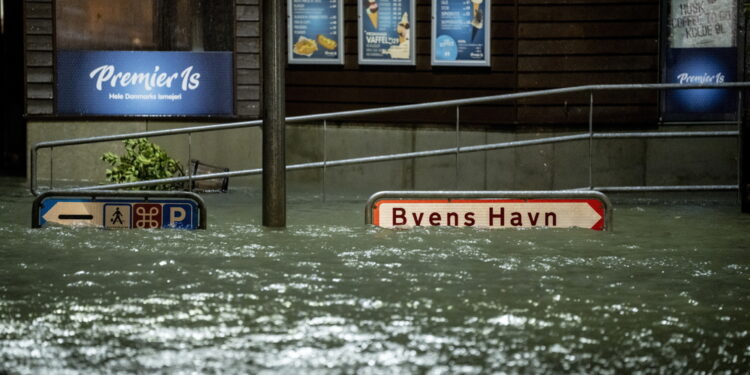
(657, 295)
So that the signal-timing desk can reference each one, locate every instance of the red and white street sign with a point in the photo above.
(572, 212)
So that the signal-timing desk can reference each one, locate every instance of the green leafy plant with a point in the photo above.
(143, 160)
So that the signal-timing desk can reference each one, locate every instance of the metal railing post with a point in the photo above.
(458, 143)
(325, 156)
(739, 146)
(32, 171)
(51, 166)
(189, 166)
(591, 139)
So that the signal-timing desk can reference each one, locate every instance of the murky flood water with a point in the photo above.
(667, 291)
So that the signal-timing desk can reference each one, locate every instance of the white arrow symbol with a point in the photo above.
(75, 214)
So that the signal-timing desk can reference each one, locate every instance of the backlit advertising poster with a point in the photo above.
(315, 31)
(144, 83)
(461, 32)
(701, 49)
(386, 32)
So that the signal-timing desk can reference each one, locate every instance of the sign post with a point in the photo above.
(490, 209)
(119, 210)
(744, 169)
(274, 113)
(744, 120)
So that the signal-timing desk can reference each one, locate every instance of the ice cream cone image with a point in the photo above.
(372, 12)
(477, 19)
(403, 29)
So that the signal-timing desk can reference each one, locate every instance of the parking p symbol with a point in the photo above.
(178, 215)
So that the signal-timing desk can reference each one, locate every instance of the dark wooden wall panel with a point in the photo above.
(536, 44)
(247, 58)
(580, 42)
(39, 56)
(316, 89)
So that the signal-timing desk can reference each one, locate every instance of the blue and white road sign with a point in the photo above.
(126, 210)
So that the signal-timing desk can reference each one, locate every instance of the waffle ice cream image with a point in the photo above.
(403, 29)
(372, 12)
(401, 51)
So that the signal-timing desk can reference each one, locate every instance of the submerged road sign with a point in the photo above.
(120, 210)
(490, 209)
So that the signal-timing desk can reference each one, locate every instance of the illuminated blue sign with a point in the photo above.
(700, 48)
(144, 83)
(696, 66)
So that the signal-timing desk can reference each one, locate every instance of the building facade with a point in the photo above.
(528, 45)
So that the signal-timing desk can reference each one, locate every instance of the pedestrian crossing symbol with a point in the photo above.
(117, 216)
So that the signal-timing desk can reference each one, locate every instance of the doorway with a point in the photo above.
(13, 125)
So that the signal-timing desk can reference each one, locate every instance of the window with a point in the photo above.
(162, 25)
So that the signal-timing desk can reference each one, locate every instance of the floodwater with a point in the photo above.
(667, 292)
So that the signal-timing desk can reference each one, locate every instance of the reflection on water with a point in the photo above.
(668, 291)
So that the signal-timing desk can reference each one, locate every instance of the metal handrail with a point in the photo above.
(392, 109)
(416, 154)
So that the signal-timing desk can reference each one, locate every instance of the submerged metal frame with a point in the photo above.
(493, 194)
(590, 135)
(97, 194)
